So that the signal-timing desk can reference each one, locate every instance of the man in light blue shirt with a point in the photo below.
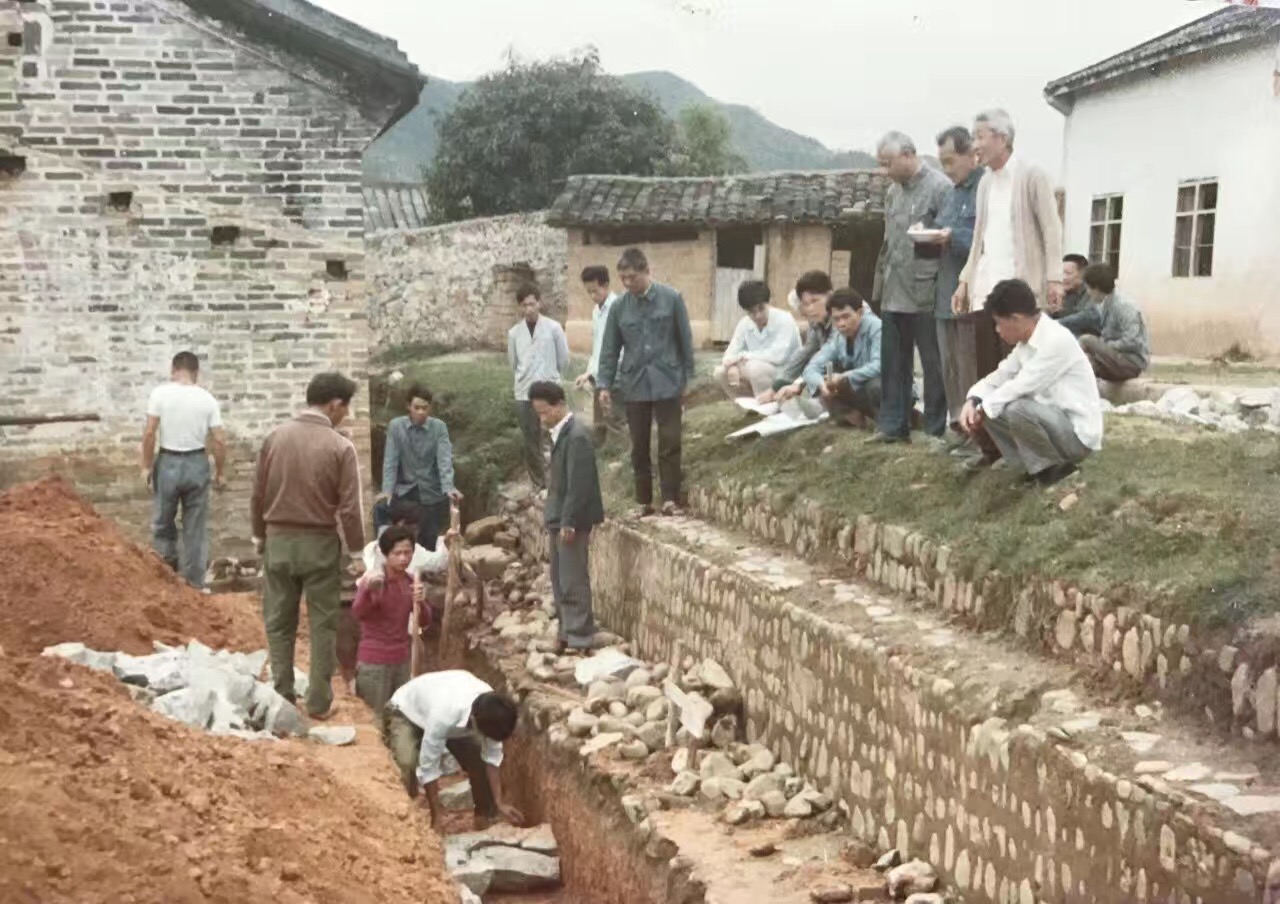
(417, 467)
(595, 281)
(844, 376)
(536, 350)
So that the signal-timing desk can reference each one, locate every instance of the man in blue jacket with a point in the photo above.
(651, 324)
(850, 391)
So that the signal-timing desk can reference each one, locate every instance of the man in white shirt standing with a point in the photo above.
(761, 344)
(536, 350)
(595, 281)
(458, 712)
(1041, 406)
(1017, 234)
(184, 420)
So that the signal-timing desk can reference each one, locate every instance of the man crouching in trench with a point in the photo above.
(458, 712)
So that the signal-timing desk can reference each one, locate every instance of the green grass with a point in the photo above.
(1184, 521)
(1208, 373)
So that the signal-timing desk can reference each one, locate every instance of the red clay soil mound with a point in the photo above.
(68, 574)
(105, 802)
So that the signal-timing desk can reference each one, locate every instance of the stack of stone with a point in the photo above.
(503, 859)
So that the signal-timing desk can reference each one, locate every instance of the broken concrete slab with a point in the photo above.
(82, 655)
(540, 840)
(457, 796)
(188, 705)
(609, 663)
(516, 871)
(333, 735)
(160, 672)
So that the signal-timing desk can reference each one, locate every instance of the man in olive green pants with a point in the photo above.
(307, 489)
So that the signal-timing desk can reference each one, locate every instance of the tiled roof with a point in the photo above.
(796, 197)
(1225, 27)
(391, 206)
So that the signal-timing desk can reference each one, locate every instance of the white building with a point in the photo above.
(1172, 172)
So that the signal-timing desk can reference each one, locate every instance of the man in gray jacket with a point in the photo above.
(906, 287)
(651, 324)
(813, 289)
(573, 508)
(1111, 331)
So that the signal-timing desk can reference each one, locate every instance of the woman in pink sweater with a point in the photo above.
(383, 609)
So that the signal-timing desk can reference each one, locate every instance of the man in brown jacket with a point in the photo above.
(1017, 235)
(306, 493)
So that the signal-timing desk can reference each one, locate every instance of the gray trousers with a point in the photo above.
(1033, 437)
(970, 350)
(182, 482)
(1107, 363)
(571, 588)
(535, 461)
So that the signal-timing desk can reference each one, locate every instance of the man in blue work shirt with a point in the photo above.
(956, 220)
(651, 324)
(417, 467)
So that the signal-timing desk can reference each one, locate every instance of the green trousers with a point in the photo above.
(298, 562)
(376, 682)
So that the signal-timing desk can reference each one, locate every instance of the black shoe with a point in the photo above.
(1055, 474)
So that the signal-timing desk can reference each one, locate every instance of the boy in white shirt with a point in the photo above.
(761, 344)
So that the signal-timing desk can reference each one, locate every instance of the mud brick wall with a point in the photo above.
(454, 285)
(1003, 813)
(1229, 680)
(241, 239)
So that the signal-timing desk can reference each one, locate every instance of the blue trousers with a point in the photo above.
(181, 483)
(901, 335)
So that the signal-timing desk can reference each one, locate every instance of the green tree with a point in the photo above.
(516, 135)
(704, 144)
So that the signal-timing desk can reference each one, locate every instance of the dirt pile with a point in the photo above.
(107, 802)
(67, 574)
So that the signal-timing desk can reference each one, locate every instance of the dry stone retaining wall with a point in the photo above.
(1233, 684)
(1004, 813)
(454, 285)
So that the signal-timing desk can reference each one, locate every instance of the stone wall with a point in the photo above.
(1004, 813)
(1232, 683)
(184, 188)
(454, 285)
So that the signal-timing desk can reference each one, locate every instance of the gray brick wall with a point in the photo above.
(207, 129)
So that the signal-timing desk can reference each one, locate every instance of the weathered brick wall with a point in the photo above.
(792, 250)
(689, 266)
(454, 285)
(206, 131)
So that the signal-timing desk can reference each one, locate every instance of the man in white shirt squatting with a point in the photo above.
(458, 712)
(762, 342)
(185, 420)
(1040, 407)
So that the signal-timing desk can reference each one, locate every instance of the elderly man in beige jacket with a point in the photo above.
(1018, 235)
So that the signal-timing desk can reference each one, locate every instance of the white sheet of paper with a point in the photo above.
(764, 410)
(782, 422)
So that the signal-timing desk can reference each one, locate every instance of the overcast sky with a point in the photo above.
(842, 71)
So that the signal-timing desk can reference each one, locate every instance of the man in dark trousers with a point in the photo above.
(651, 324)
(573, 508)
(306, 493)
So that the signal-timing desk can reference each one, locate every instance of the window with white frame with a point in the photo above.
(1104, 230)
(1193, 229)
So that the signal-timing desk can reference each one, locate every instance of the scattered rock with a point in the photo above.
(831, 894)
(635, 749)
(639, 677)
(765, 849)
(711, 674)
(911, 877)
(581, 723)
(718, 765)
(775, 803)
(926, 898)
(654, 735)
(488, 562)
(743, 811)
(618, 709)
(458, 797)
(797, 808)
(716, 789)
(725, 731)
(657, 710)
(634, 808)
(641, 696)
(888, 860)
(759, 760)
(685, 784)
(505, 540)
(333, 735)
(483, 530)
(190, 706)
(660, 672)
(518, 871)
(609, 663)
(761, 785)
(634, 720)
(600, 742)
(680, 761)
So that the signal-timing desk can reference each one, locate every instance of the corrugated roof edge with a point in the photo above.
(1224, 27)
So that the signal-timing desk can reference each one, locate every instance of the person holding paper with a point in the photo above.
(812, 291)
(844, 376)
(762, 342)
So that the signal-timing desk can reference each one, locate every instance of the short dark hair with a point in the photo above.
(393, 535)
(495, 715)
(524, 290)
(1101, 277)
(844, 298)
(597, 273)
(959, 137)
(633, 259)
(1010, 297)
(1078, 259)
(186, 361)
(403, 511)
(815, 281)
(329, 387)
(417, 391)
(751, 293)
(547, 391)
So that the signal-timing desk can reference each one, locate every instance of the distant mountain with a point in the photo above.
(402, 153)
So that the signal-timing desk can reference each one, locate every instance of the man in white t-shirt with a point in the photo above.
(184, 426)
